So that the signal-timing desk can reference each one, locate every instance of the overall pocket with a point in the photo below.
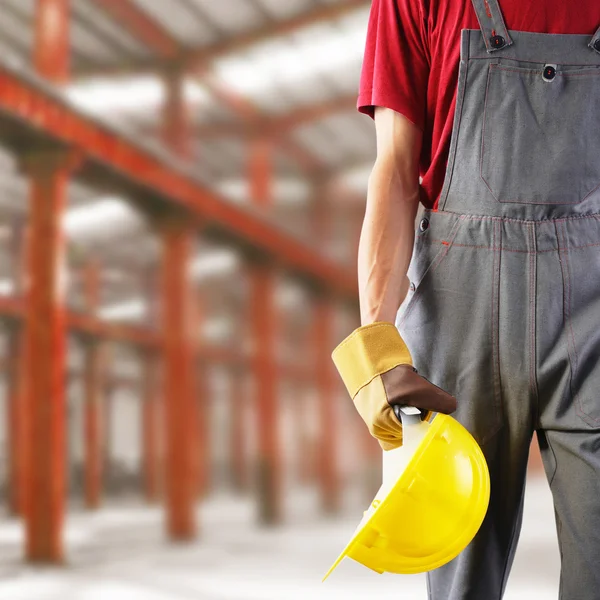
(450, 325)
(427, 255)
(540, 133)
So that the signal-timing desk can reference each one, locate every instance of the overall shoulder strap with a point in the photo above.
(491, 21)
(595, 41)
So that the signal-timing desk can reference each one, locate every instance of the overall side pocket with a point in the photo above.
(451, 329)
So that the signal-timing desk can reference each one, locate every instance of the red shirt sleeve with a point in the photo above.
(395, 69)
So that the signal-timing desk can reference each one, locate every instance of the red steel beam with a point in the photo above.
(135, 21)
(118, 332)
(12, 309)
(51, 49)
(160, 40)
(45, 339)
(28, 111)
(180, 413)
(134, 18)
(248, 112)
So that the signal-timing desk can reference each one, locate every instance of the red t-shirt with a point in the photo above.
(412, 57)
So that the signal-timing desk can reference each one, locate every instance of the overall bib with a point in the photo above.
(504, 310)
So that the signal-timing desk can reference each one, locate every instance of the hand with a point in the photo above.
(376, 367)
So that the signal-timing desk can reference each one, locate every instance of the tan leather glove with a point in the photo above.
(377, 369)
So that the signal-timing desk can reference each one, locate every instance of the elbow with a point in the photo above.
(389, 180)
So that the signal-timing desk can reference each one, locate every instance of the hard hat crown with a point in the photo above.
(432, 502)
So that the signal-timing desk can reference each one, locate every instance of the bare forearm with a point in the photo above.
(386, 244)
(387, 236)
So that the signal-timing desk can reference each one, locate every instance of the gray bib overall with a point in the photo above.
(504, 312)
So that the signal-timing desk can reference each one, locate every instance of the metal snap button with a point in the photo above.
(498, 41)
(424, 224)
(412, 286)
(549, 72)
(597, 44)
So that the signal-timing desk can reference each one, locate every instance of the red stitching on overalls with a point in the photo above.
(516, 58)
(524, 71)
(495, 67)
(482, 152)
(436, 262)
(488, 10)
(462, 86)
(504, 249)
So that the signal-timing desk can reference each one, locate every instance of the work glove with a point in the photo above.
(376, 367)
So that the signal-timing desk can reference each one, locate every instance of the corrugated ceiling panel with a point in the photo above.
(107, 29)
(90, 45)
(285, 10)
(231, 16)
(183, 22)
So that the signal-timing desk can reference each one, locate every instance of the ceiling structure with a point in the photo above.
(260, 76)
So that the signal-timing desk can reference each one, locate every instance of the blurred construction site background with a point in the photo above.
(182, 186)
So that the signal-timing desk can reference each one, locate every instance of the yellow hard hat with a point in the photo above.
(432, 502)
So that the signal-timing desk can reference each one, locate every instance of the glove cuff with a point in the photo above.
(367, 352)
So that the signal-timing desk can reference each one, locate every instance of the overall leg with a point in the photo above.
(470, 332)
(572, 463)
(482, 570)
(570, 412)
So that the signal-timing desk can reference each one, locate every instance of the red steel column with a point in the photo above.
(107, 451)
(265, 323)
(201, 453)
(180, 413)
(322, 214)
(94, 393)
(51, 47)
(265, 373)
(152, 455)
(45, 341)
(177, 124)
(179, 138)
(303, 463)
(239, 424)
(153, 452)
(327, 393)
(150, 431)
(261, 171)
(181, 407)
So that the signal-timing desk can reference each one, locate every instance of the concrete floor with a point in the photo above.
(120, 554)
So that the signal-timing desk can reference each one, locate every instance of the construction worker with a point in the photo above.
(488, 308)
